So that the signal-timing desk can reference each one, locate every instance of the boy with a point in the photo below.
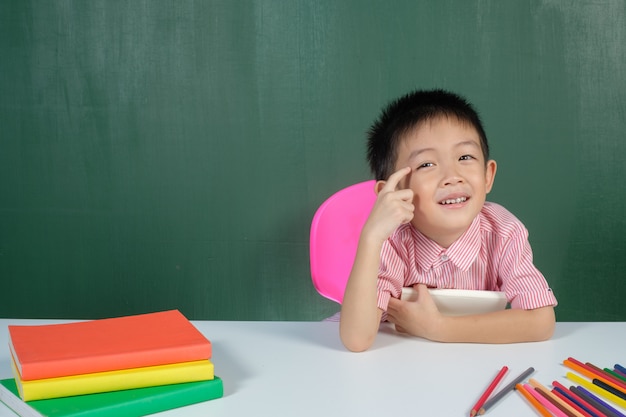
(431, 227)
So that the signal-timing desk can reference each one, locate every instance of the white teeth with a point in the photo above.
(454, 200)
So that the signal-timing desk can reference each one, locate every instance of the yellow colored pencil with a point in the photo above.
(596, 389)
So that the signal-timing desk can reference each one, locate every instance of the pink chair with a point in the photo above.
(334, 237)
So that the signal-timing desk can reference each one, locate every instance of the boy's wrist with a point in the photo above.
(438, 329)
(371, 240)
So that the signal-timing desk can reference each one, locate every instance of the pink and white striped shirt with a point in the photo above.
(493, 254)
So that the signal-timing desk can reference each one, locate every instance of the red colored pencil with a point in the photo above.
(621, 385)
(602, 375)
(589, 407)
(557, 402)
(570, 403)
(591, 373)
(488, 391)
(615, 374)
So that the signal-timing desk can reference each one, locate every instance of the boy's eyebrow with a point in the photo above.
(414, 154)
(468, 142)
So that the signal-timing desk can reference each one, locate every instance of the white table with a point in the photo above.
(299, 369)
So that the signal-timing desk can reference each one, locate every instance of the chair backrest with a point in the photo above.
(334, 238)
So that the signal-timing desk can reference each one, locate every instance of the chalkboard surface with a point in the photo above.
(160, 154)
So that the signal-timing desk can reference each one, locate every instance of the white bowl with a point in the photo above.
(452, 302)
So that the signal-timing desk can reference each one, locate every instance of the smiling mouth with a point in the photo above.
(453, 201)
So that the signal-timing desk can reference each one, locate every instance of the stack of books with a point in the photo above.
(124, 366)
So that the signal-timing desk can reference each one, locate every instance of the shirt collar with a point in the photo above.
(461, 253)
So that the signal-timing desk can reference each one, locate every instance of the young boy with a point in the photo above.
(431, 228)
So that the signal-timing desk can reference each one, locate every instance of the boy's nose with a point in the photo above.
(451, 176)
(453, 180)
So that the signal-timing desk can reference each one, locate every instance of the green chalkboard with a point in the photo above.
(170, 154)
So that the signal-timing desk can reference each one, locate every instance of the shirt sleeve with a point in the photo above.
(524, 285)
(391, 271)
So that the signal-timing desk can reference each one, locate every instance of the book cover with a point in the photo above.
(55, 350)
(149, 376)
(126, 403)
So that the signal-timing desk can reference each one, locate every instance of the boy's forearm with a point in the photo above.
(360, 315)
(507, 326)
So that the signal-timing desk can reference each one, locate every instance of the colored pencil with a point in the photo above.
(533, 402)
(577, 400)
(590, 373)
(615, 374)
(602, 406)
(545, 392)
(550, 397)
(603, 372)
(488, 391)
(610, 379)
(565, 397)
(588, 400)
(553, 409)
(619, 368)
(595, 389)
(609, 388)
(508, 388)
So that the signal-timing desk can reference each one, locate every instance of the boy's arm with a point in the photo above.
(421, 318)
(360, 315)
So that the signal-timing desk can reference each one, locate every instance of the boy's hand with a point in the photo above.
(418, 318)
(393, 208)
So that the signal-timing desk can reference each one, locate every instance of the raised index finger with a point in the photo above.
(395, 178)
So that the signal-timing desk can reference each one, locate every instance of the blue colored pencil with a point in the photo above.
(578, 401)
(619, 368)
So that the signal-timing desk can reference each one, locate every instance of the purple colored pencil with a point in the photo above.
(578, 401)
(592, 399)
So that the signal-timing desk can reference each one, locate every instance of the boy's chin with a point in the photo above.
(445, 230)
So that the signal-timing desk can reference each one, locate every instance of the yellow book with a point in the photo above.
(108, 381)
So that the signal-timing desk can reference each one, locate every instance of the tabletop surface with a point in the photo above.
(301, 369)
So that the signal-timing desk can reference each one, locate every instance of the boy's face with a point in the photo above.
(449, 177)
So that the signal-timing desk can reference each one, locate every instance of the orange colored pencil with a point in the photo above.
(585, 370)
(621, 385)
(536, 405)
(488, 391)
(600, 374)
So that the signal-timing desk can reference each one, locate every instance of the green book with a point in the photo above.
(127, 403)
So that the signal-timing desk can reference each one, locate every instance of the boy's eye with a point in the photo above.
(425, 165)
(466, 158)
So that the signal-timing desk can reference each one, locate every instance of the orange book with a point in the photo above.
(55, 350)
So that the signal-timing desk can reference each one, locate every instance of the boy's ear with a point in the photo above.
(379, 186)
(490, 174)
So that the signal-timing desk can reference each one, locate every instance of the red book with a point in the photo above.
(54, 350)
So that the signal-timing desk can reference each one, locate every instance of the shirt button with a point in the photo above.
(444, 257)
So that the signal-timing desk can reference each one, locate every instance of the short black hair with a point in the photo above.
(408, 112)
